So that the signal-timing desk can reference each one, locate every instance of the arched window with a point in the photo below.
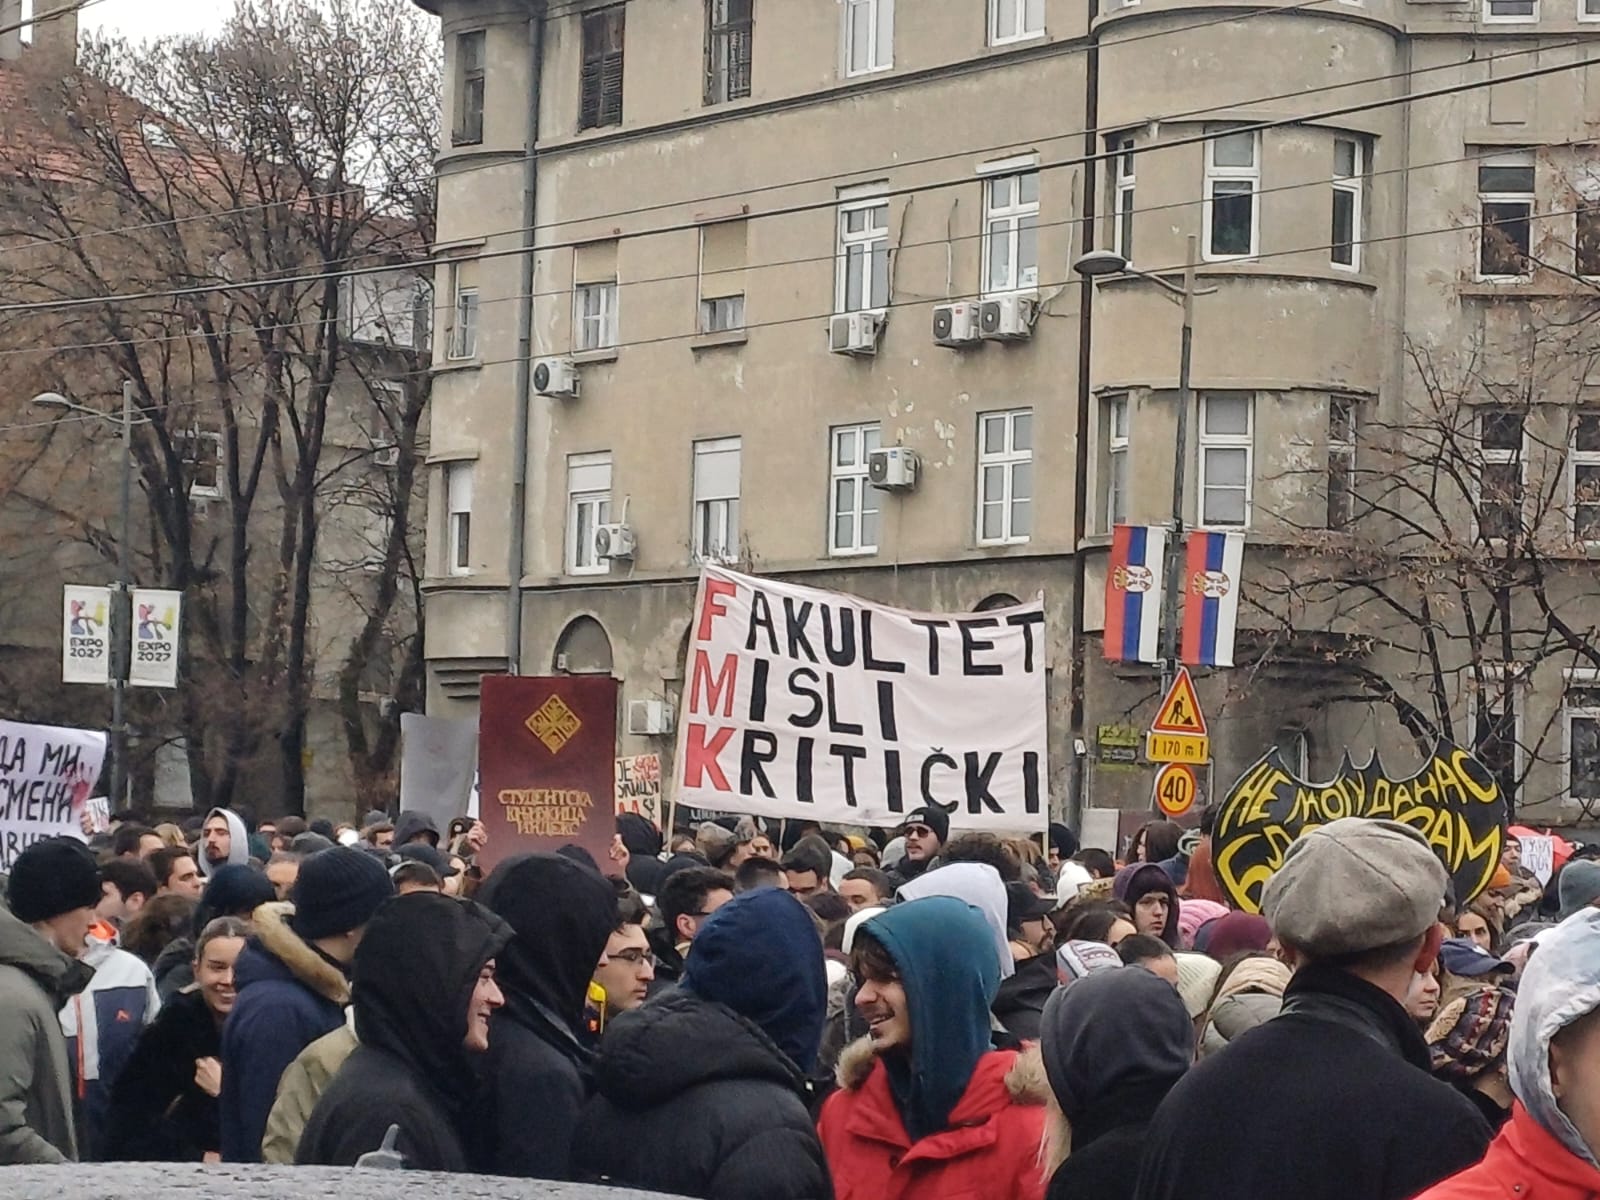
(583, 648)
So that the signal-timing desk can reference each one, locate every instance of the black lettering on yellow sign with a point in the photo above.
(1452, 800)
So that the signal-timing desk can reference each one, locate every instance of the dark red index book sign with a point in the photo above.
(547, 748)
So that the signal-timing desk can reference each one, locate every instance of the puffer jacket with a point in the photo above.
(695, 1100)
(36, 979)
(989, 1150)
(1524, 1160)
(1250, 996)
(289, 996)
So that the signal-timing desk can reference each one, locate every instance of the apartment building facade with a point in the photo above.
(760, 230)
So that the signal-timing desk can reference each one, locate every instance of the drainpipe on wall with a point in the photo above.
(1077, 771)
(517, 542)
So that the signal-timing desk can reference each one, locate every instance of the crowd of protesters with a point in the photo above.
(775, 1012)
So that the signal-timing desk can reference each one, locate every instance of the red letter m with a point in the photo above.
(706, 691)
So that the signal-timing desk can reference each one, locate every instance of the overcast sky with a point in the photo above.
(138, 19)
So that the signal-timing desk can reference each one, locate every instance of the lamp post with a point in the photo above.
(122, 593)
(1102, 263)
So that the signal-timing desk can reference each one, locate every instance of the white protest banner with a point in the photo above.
(1539, 855)
(46, 777)
(86, 635)
(153, 656)
(438, 765)
(639, 786)
(812, 704)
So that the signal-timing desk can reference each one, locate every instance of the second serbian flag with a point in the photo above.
(1212, 566)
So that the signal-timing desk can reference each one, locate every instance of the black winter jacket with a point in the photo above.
(1330, 1100)
(158, 1112)
(1108, 1145)
(1019, 1004)
(695, 1100)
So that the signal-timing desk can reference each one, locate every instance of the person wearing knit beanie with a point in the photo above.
(292, 986)
(55, 883)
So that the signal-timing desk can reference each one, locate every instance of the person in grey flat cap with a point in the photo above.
(1332, 1098)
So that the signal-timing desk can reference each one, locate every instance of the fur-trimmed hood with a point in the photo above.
(295, 955)
(1025, 1081)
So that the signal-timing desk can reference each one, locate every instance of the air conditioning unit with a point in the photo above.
(556, 377)
(650, 718)
(854, 333)
(892, 469)
(956, 324)
(615, 540)
(1008, 319)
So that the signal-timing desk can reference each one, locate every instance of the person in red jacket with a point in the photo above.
(1550, 1149)
(926, 1109)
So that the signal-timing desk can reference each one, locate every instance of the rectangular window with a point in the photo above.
(730, 37)
(1122, 182)
(463, 308)
(595, 314)
(1233, 178)
(1500, 452)
(201, 450)
(716, 500)
(862, 276)
(1523, 11)
(1015, 20)
(1499, 737)
(588, 507)
(1580, 714)
(1586, 257)
(1005, 477)
(1583, 475)
(1505, 203)
(600, 88)
(1589, 10)
(458, 517)
(1349, 181)
(1116, 425)
(1011, 233)
(868, 36)
(1343, 413)
(1226, 451)
(469, 88)
(853, 505)
(722, 261)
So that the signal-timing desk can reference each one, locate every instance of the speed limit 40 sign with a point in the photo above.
(1176, 787)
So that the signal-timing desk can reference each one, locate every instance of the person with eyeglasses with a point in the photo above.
(925, 832)
(624, 975)
(687, 898)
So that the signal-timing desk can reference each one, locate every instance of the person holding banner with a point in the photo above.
(52, 891)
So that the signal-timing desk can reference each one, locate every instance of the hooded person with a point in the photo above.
(562, 915)
(646, 871)
(1249, 993)
(52, 892)
(1550, 1148)
(1355, 906)
(234, 891)
(1149, 892)
(223, 840)
(423, 988)
(925, 1109)
(979, 886)
(1113, 1046)
(409, 826)
(291, 984)
(1579, 886)
(703, 1091)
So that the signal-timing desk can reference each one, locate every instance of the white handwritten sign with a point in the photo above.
(46, 777)
(639, 786)
(812, 704)
(1539, 855)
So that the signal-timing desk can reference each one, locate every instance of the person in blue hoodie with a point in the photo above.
(702, 1092)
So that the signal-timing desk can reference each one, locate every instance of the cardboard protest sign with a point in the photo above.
(547, 747)
(813, 704)
(1452, 800)
(46, 777)
(639, 786)
(1539, 855)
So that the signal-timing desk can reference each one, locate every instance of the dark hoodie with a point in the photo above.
(409, 824)
(646, 871)
(1113, 1044)
(412, 980)
(1140, 879)
(703, 1092)
(562, 913)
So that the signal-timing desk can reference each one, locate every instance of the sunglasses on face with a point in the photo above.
(918, 831)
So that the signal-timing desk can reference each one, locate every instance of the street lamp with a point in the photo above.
(122, 594)
(1098, 264)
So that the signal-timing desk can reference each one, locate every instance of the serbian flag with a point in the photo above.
(1211, 597)
(1133, 593)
